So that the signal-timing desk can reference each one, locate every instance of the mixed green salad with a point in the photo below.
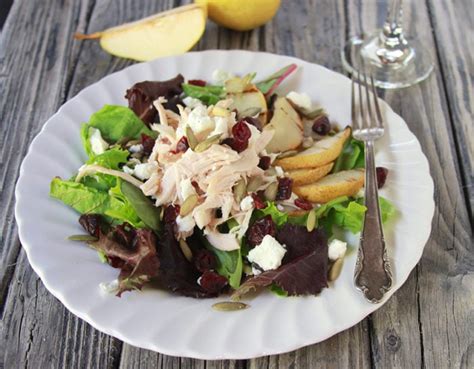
(205, 189)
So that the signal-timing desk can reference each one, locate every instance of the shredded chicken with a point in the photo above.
(87, 170)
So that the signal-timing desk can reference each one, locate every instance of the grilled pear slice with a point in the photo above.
(171, 32)
(309, 175)
(322, 152)
(287, 126)
(345, 183)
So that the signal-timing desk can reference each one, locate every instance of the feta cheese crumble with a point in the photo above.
(336, 249)
(301, 100)
(199, 120)
(246, 204)
(191, 102)
(268, 255)
(98, 144)
(144, 171)
(135, 148)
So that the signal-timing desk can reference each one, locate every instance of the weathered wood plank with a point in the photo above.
(424, 306)
(453, 29)
(37, 58)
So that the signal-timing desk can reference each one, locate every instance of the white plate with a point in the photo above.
(188, 327)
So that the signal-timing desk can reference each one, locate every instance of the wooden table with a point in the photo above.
(428, 323)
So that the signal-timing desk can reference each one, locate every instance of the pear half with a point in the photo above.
(168, 33)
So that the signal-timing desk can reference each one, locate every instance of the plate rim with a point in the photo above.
(154, 347)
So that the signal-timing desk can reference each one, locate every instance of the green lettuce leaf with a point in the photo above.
(112, 204)
(208, 94)
(229, 263)
(86, 143)
(279, 217)
(352, 156)
(110, 159)
(116, 122)
(147, 212)
(99, 181)
(348, 216)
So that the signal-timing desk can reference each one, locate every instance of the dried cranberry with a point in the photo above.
(204, 260)
(285, 185)
(264, 162)
(303, 204)
(182, 145)
(148, 144)
(197, 82)
(254, 122)
(171, 213)
(258, 230)
(381, 176)
(116, 262)
(212, 282)
(241, 131)
(91, 223)
(236, 145)
(321, 125)
(258, 203)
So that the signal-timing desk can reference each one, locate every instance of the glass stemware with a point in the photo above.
(393, 61)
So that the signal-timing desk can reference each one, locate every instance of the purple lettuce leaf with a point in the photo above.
(305, 270)
(142, 94)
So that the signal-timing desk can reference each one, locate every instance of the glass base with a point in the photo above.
(413, 66)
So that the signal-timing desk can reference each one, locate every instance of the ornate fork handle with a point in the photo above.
(373, 273)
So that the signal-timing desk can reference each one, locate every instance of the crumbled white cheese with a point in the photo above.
(199, 120)
(219, 76)
(185, 224)
(268, 255)
(279, 171)
(136, 148)
(98, 144)
(110, 287)
(246, 204)
(186, 189)
(361, 193)
(336, 249)
(128, 170)
(191, 102)
(144, 171)
(301, 100)
(221, 127)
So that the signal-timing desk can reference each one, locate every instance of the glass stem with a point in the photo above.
(393, 47)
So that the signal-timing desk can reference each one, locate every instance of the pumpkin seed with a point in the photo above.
(82, 238)
(229, 306)
(188, 254)
(311, 221)
(207, 143)
(188, 205)
(192, 140)
(137, 155)
(240, 190)
(336, 269)
(254, 184)
(271, 191)
(287, 154)
(271, 172)
(133, 142)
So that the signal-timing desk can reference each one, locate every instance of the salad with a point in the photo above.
(207, 189)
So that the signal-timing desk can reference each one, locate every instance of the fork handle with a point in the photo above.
(373, 274)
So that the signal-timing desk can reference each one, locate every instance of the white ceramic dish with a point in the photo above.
(188, 327)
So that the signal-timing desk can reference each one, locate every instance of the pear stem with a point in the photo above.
(92, 36)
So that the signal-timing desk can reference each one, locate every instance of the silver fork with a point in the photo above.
(373, 273)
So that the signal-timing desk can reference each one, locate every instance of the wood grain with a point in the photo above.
(453, 32)
(427, 323)
(425, 109)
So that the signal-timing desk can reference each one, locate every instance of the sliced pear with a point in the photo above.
(168, 33)
(309, 175)
(249, 103)
(322, 152)
(287, 126)
(345, 183)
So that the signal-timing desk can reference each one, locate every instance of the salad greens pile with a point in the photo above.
(144, 240)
